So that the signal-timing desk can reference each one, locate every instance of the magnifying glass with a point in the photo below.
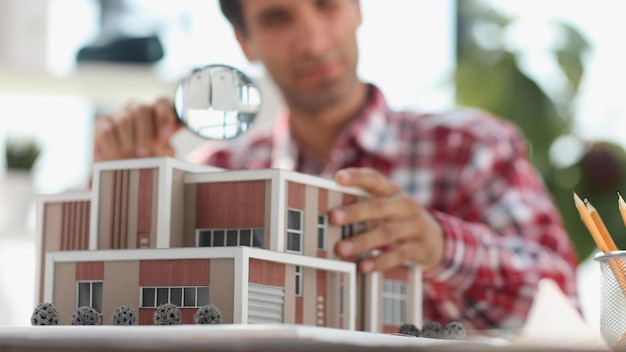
(217, 102)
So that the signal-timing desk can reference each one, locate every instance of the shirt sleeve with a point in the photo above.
(509, 237)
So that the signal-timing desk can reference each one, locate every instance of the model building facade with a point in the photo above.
(255, 243)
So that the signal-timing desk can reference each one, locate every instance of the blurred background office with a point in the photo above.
(555, 68)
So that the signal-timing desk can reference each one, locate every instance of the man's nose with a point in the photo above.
(312, 35)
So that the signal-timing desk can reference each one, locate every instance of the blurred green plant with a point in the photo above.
(489, 75)
(21, 153)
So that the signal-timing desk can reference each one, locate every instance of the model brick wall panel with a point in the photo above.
(295, 195)
(123, 234)
(266, 273)
(144, 206)
(183, 272)
(390, 329)
(89, 271)
(299, 310)
(322, 278)
(66, 227)
(289, 314)
(119, 208)
(237, 204)
(65, 220)
(267, 215)
(146, 316)
(321, 282)
(400, 273)
(83, 232)
(187, 315)
(154, 210)
(322, 204)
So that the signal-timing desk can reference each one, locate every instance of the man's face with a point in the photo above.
(309, 47)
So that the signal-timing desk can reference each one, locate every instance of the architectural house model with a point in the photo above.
(255, 243)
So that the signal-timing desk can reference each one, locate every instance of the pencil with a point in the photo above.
(588, 221)
(604, 232)
(616, 265)
(622, 207)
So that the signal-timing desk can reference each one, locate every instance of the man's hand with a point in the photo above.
(137, 131)
(398, 224)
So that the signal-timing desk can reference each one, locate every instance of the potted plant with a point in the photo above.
(21, 154)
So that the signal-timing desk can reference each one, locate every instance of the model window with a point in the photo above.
(298, 280)
(180, 296)
(340, 300)
(322, 225)
(218, 238)
(352, 229)
(245, 237)
(258, 238)
(294, 231)
(231, 237)
(348, 231)
(394, 302)
(90, 295)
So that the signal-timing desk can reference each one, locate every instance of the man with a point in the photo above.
(454, 193)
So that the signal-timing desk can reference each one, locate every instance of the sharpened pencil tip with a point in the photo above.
(578, 201)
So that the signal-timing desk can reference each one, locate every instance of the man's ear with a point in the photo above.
(245, 45)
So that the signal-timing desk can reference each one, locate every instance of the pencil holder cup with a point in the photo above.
(613, 299)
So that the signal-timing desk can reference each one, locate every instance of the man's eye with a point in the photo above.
(274, 19)
(327, 4)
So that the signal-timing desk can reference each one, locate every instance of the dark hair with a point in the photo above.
(232, 11)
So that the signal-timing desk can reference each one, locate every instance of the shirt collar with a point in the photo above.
(369, 131)
(373, 129)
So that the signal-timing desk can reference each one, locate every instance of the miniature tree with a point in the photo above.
(85, 315)
(45, 314)
(455, 330)
(409, 329)
(124, 315)
(167, 314)
(208, 314)
(433, 330)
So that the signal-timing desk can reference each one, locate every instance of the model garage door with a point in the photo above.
(265, 304)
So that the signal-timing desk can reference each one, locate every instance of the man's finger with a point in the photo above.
(369, 179)
(392, 258)
(124, 131)
(383, 235)
(145, 133)
(166, 123)
(106, 146)
(375, 209)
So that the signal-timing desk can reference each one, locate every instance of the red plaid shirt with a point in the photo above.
(471, 170)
